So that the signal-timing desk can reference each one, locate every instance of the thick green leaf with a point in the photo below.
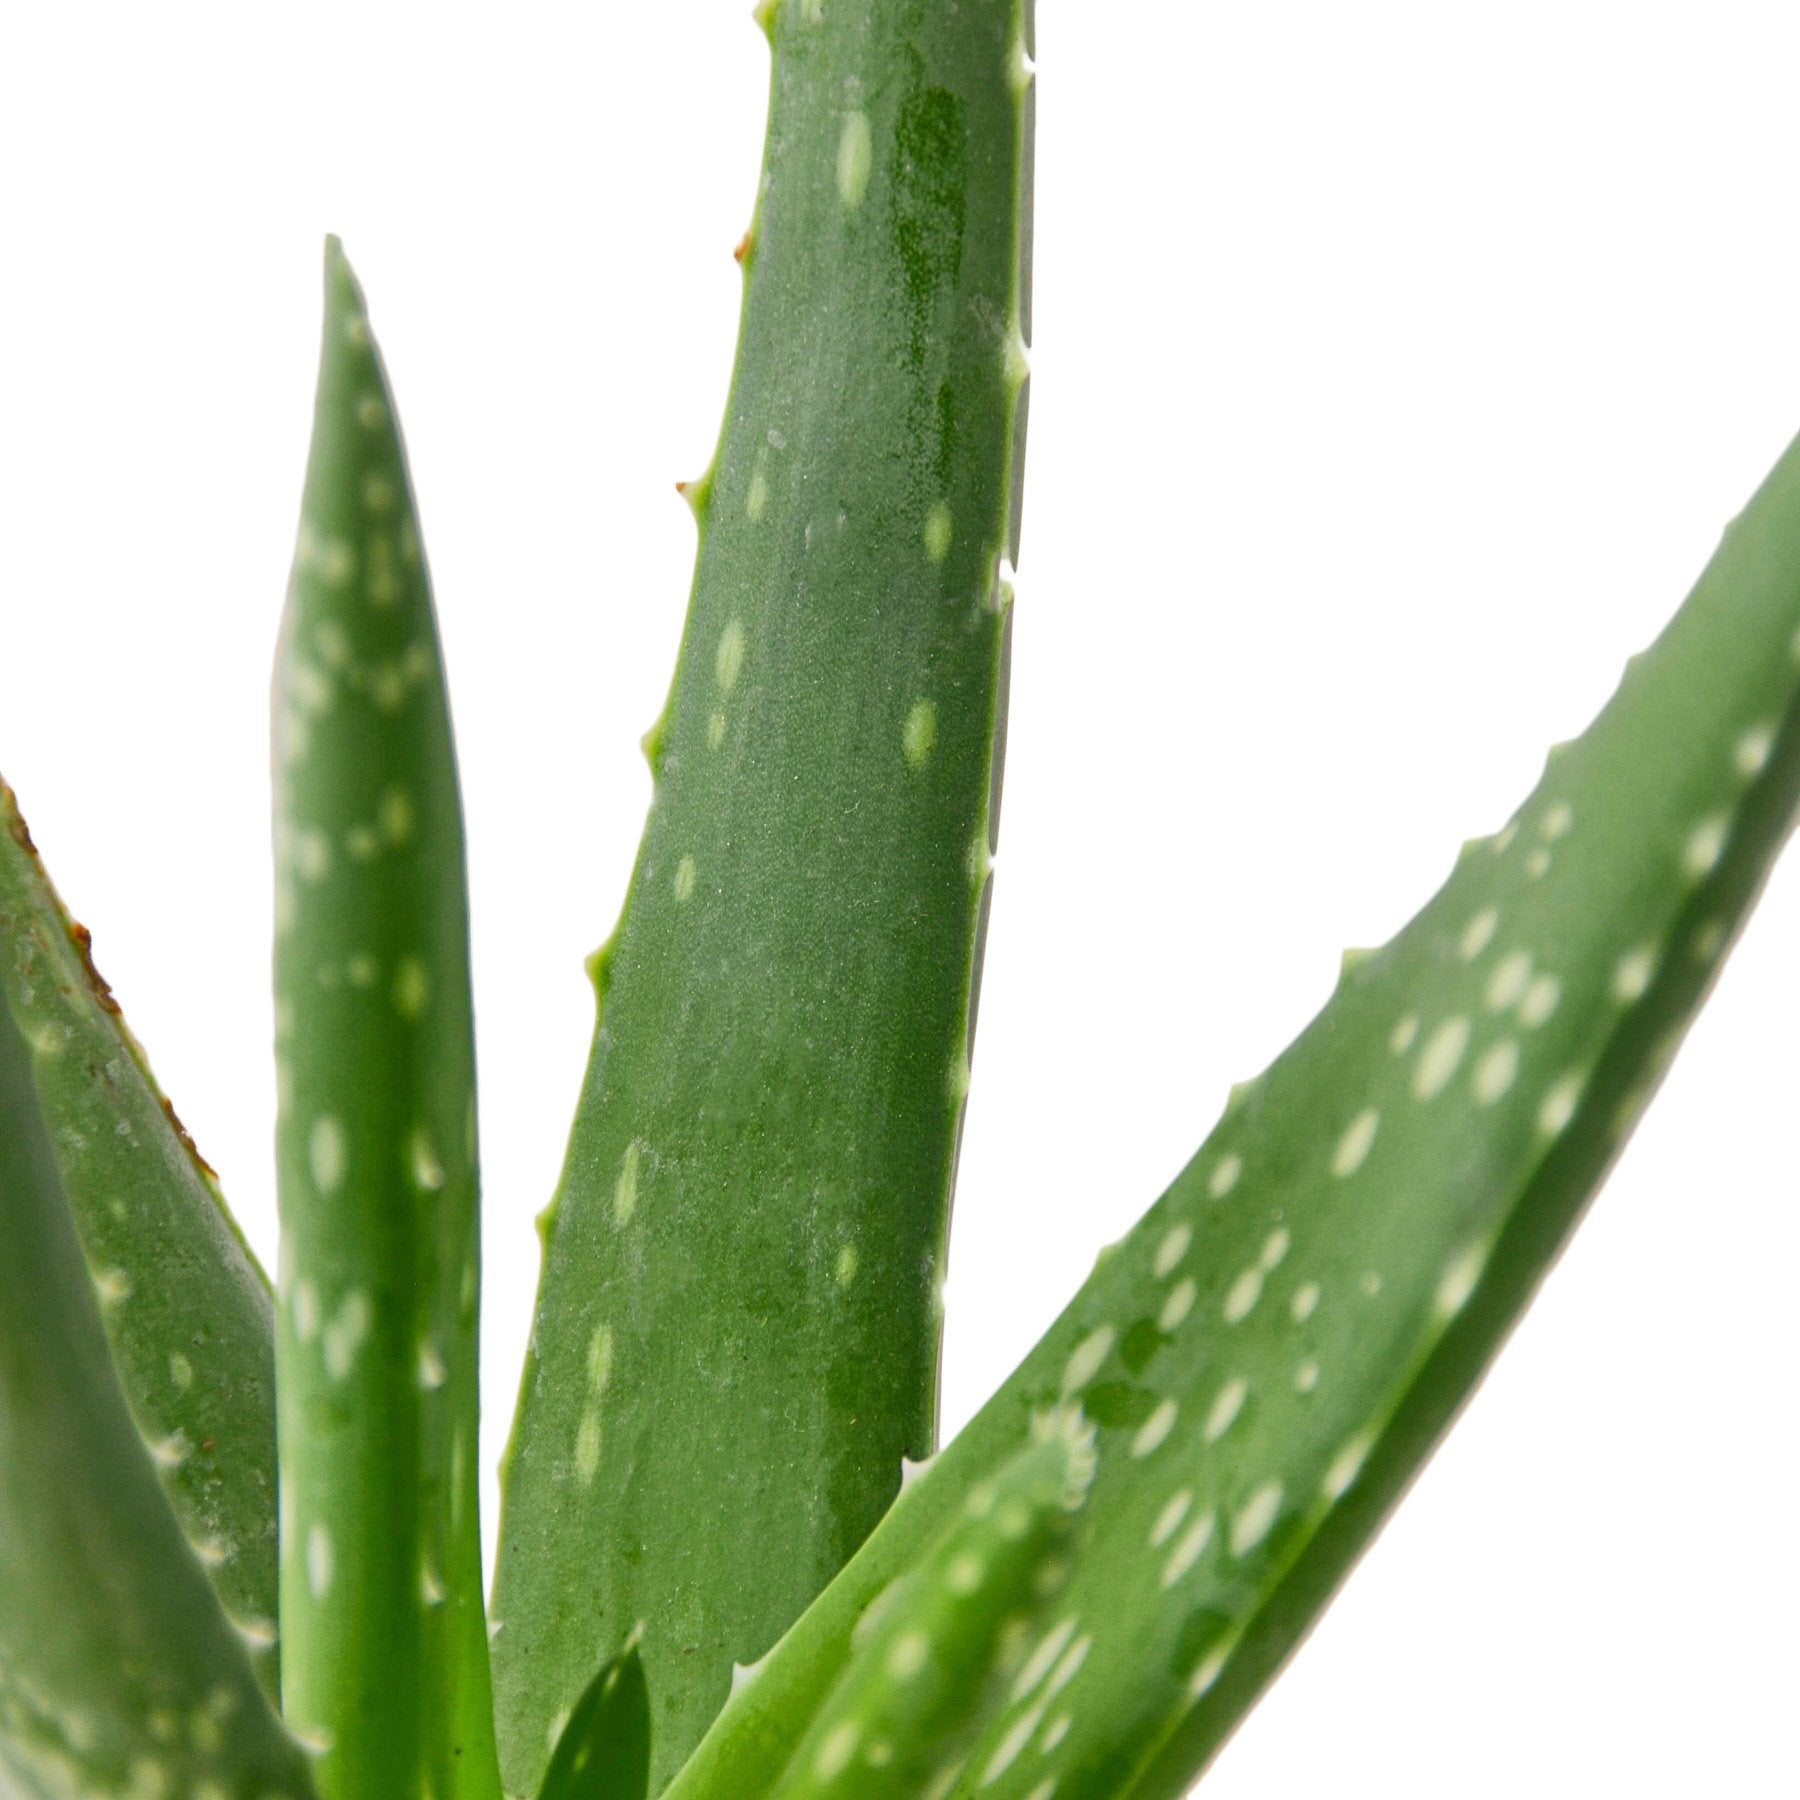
(737, 1331)
(952, 1638)
(119, 1671)
(385, 1648)
(186, 1309)
(1279, 1344)
(603, 1752)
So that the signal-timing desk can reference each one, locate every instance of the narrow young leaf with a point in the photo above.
(737, 1329)
(385, 1650)
(603, 1752)
(1279, 1344)
(951, 1639)
(119, 1671)
(186, 1309)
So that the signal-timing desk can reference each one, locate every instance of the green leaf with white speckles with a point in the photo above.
(957, 1636)
(119, 1671)
(186, 1309)
(736, 1338)
(603, 1752)
(1280, 1343)
(384, 1661)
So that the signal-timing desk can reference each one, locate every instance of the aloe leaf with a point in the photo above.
(603, 1752)
(385, 1649)
(119, 1671)
(1278, 1345)
(952, 1637)
(186, 1309)
(737, 1329)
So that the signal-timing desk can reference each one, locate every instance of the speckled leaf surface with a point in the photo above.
(737, 1329)
(384, 1667)
(187, 1312)
(1273, 1351)
(119, 1671)
(938, 1651)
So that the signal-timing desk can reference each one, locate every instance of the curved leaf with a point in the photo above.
(119, 1671)
(186, 1309)
(1276, 1348)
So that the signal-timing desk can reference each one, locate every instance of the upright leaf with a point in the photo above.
(1279, 1344)
(186, 1308)
(119, 1672)
(737, 1330)
(385, 1651)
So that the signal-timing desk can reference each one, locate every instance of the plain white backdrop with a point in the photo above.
(1396, 368)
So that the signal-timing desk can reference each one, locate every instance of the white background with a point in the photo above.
(1396, 368)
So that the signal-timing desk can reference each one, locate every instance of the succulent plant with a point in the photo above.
(239, 1545)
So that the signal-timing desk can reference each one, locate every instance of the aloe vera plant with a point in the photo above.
(707, 1586)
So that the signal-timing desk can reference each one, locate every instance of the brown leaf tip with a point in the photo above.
(16, 827)
(187, 1142)
(83, 939)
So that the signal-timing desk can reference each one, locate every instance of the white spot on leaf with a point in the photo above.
(326, 1154)
(1253, 1524)
(1170, 1517)
(345, 1333)
(412, 987)
(1752, 754)
(1225, 1408)
(1186, 1553)
(318, 1561)
(1705, 845)
(1559, 1105)
(1346, 1466)
(1508, 980)
(587, 1447)
(426, 1166)
(1085, 1360)
(1353, 1147)
(1155, 1429)
(919, 734)
(1495, 1072)
(729, 661)
(1459, 1281)
(1541, 1000)
(1632, 977)
(854, 158)
(1178, 1305)
(1438, 1060)
(1172, 1249)
(1478, 933)
(625, 1188)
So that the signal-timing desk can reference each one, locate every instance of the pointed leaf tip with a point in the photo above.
(603, 1753)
